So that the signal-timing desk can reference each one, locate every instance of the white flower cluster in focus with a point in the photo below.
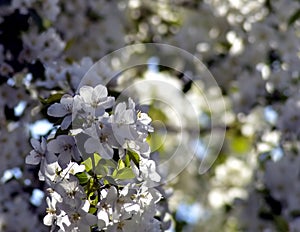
(99, 171)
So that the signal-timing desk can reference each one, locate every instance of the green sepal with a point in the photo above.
(52, 99)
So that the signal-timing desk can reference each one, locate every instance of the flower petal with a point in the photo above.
(103, 219)
(105, 151)
(48, 219)
(100, 92)
(92, 145)
(64, 159)
(108, 103)
(57, 110)
(35, 144)
(86, 93)
(33, 158)
(44, 144)
(91, 219)
(66, 122)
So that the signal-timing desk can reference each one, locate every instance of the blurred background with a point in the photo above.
(247, 122)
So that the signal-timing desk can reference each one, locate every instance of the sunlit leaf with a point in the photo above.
(104, 167)
(121, 164)
(92, 210)
(93, 198)
(108, 180)
(157, 114)
(134, 157)
(91, 162)
(127, 160)
(155, 142)
(125, 173)
(238, 143)
(83, 177)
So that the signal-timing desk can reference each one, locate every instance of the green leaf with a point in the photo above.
(281, 224)
(294, 17)
(124, 174)
(268, 5)
(93, 198)
(238, 143)
(155, 142)
(91, 161)
(53, 98)
(295, 213)
(157, 114)
(69, 44)
(121, 164)
(59, 131)
(108, 180)
(134, 157)
(102, 170)
(46, 23)
(115, 173)
(92, 210)
(83, 177)
(105, 167)
(91, 187)
(105, 182)
(127, 160)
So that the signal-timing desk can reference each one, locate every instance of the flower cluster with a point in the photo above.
(98, 170)
(95, 160)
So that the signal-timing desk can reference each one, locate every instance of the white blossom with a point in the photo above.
(65, 147)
